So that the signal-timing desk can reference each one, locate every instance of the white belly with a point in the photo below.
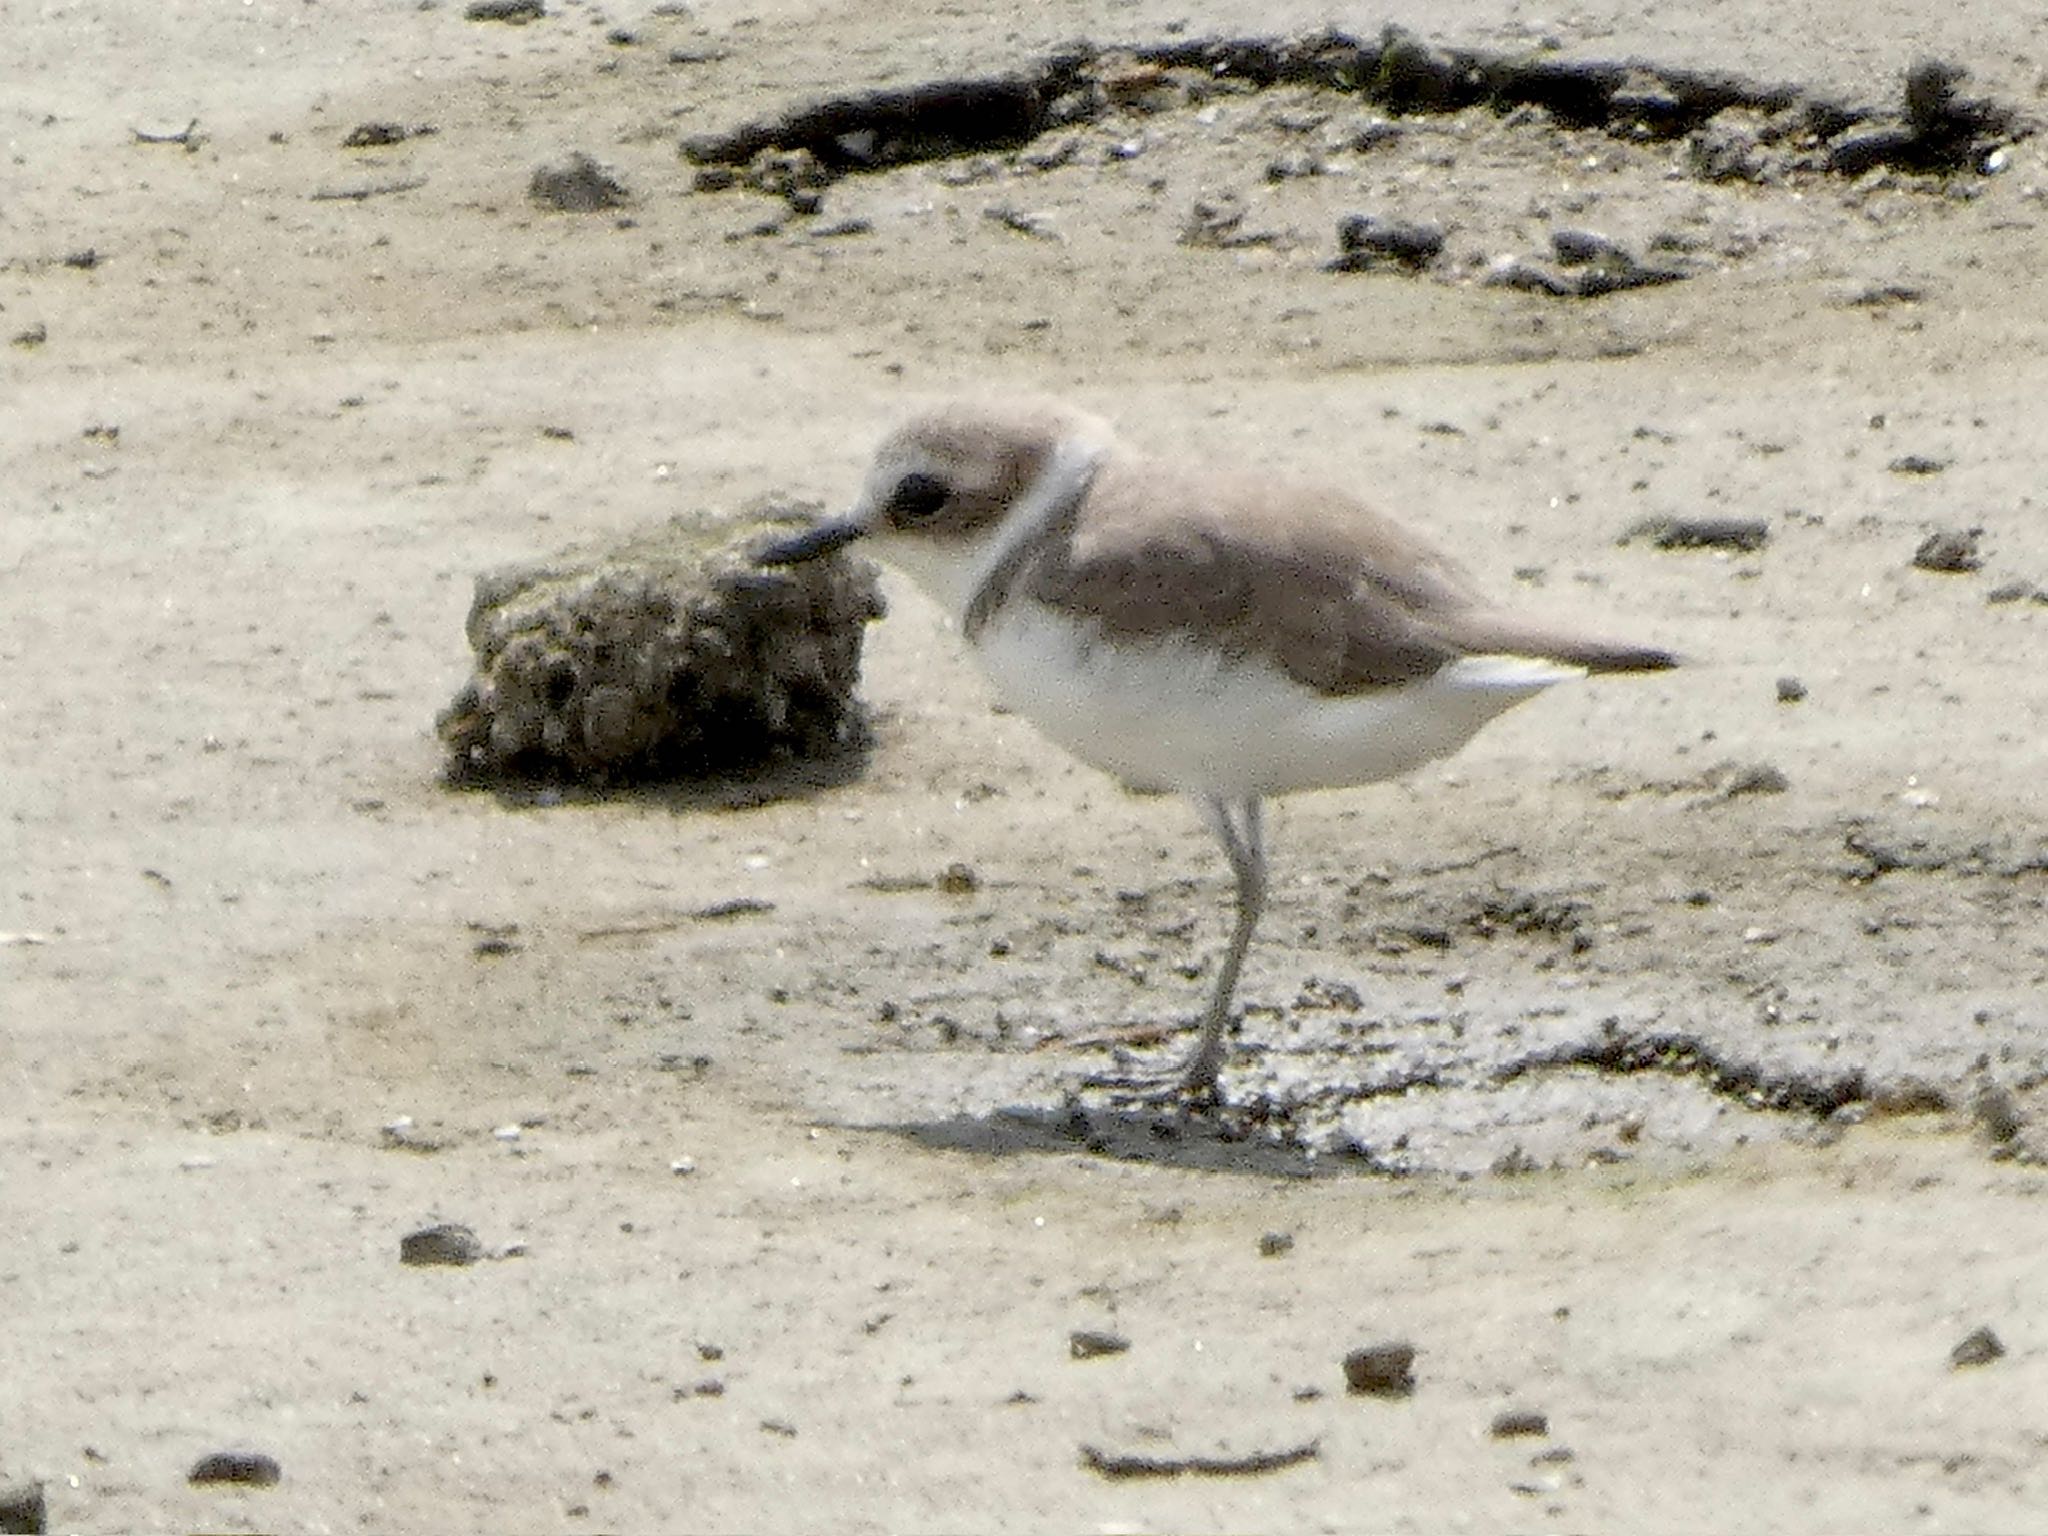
(1169, 714)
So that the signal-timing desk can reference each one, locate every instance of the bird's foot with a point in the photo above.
(1192, 1085)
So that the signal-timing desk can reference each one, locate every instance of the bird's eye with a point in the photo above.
(916, 497)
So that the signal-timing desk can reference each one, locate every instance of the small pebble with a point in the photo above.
(516, 12)
(1980, 1348)
(1916, 464)
(1511, 1422)
(1381, 1370)
(1273, 1244)
(1364, 240)
(1091, 1344)
(1790, 690)
(252, 1469)
(447, 1243)
(1746, 534)
(1949, 550)
(578, 185)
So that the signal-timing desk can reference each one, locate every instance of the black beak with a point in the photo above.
(815, 541)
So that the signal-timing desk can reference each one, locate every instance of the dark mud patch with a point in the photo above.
(1932, 128)
(1749, 1083)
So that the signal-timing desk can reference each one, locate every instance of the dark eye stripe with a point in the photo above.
(916, 497)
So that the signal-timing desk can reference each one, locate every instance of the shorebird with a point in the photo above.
(1212, 629)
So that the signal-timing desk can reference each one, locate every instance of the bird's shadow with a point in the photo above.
(1177, 1136)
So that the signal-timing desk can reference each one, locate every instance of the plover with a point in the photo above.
(1211, 629)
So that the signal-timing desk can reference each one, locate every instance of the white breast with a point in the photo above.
(1173, 714)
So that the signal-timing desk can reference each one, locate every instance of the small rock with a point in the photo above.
(1527, 277)
(2011, 592)
(1721, 152)
(1051, 157)
(1757, 779)
(959, 880)
(517, 12)
(1917, 464)
(1273, 1244)
(1864, 149)
(1370, 135)
(1748, 534)
(1980, 1348)
(1036, 225)
(579, 185)
(1092, 1344)
(1882, 295)
(780, 172)
(22, 1510)
(1998, 1112)
(1413, 77)
(1510, 1423)
(1296, 165)
(1365, 241)
(376, 135)
(252, 1469)
(1790, 690)
(1217, 220)
(1950, 550)
(1577, 247)
(714, 178)
(1381, 1370)
(1620, 271)
(447, 1243)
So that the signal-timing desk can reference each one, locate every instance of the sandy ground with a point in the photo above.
(260, 441)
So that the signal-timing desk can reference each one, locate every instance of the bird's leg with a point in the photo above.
(1240, 827)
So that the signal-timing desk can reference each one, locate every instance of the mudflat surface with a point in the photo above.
(1667, 1064)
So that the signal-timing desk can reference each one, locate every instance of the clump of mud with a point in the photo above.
(676, 657)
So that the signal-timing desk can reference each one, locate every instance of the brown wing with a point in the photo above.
(1341, 598)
